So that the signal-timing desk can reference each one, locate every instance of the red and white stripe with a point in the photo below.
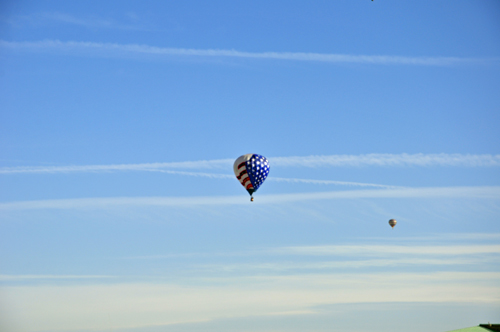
(240, 170)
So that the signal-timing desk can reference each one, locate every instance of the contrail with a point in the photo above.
(200, 174)
(114, 49)
(290, 180)
(204, 164)
(110, 202)
(327, 182)
(373, 159)
(157, 167)
(386, 159)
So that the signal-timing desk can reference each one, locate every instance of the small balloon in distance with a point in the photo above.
(393, 222)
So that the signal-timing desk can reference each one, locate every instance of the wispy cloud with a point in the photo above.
(109, 202)
(11, 277)
(202, 164)
(93, 22)
(484, 237)
(128, 305)
(199, 174)
(288, 180)
(158, 168)
(348, 265)
(386, 159)
(110, 49)
(393, 250)
(347, 250)
(373, 159)
(329, 182)
(264, 285)
(70, 19)
(377, 160)
(341, 257)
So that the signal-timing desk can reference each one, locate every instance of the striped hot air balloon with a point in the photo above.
(393, 222)
(251, 170)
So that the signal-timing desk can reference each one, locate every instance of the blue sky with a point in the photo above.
(120, 122)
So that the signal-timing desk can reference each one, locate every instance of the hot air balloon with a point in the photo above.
(393, 222)
(251, 170)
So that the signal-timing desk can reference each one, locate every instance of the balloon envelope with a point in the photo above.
(393, 222)
(251, 170)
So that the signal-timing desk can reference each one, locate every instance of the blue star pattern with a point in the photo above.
(258, 169)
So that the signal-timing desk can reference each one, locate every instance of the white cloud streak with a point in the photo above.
(154, 168)
(113, 49)
(11, 277)
(386, 159)
(373, 159)
(204, 164)
(105, 203)
(127, 305)
(349, 256)
(345, 258)
(44, 18)
(69, 19)
(93, 305)
(198, 174)
(393, 250)
(288, 180)
(257, 268)
(329, 182)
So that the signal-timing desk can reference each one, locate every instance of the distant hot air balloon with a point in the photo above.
(251, 170)
(393, 222)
